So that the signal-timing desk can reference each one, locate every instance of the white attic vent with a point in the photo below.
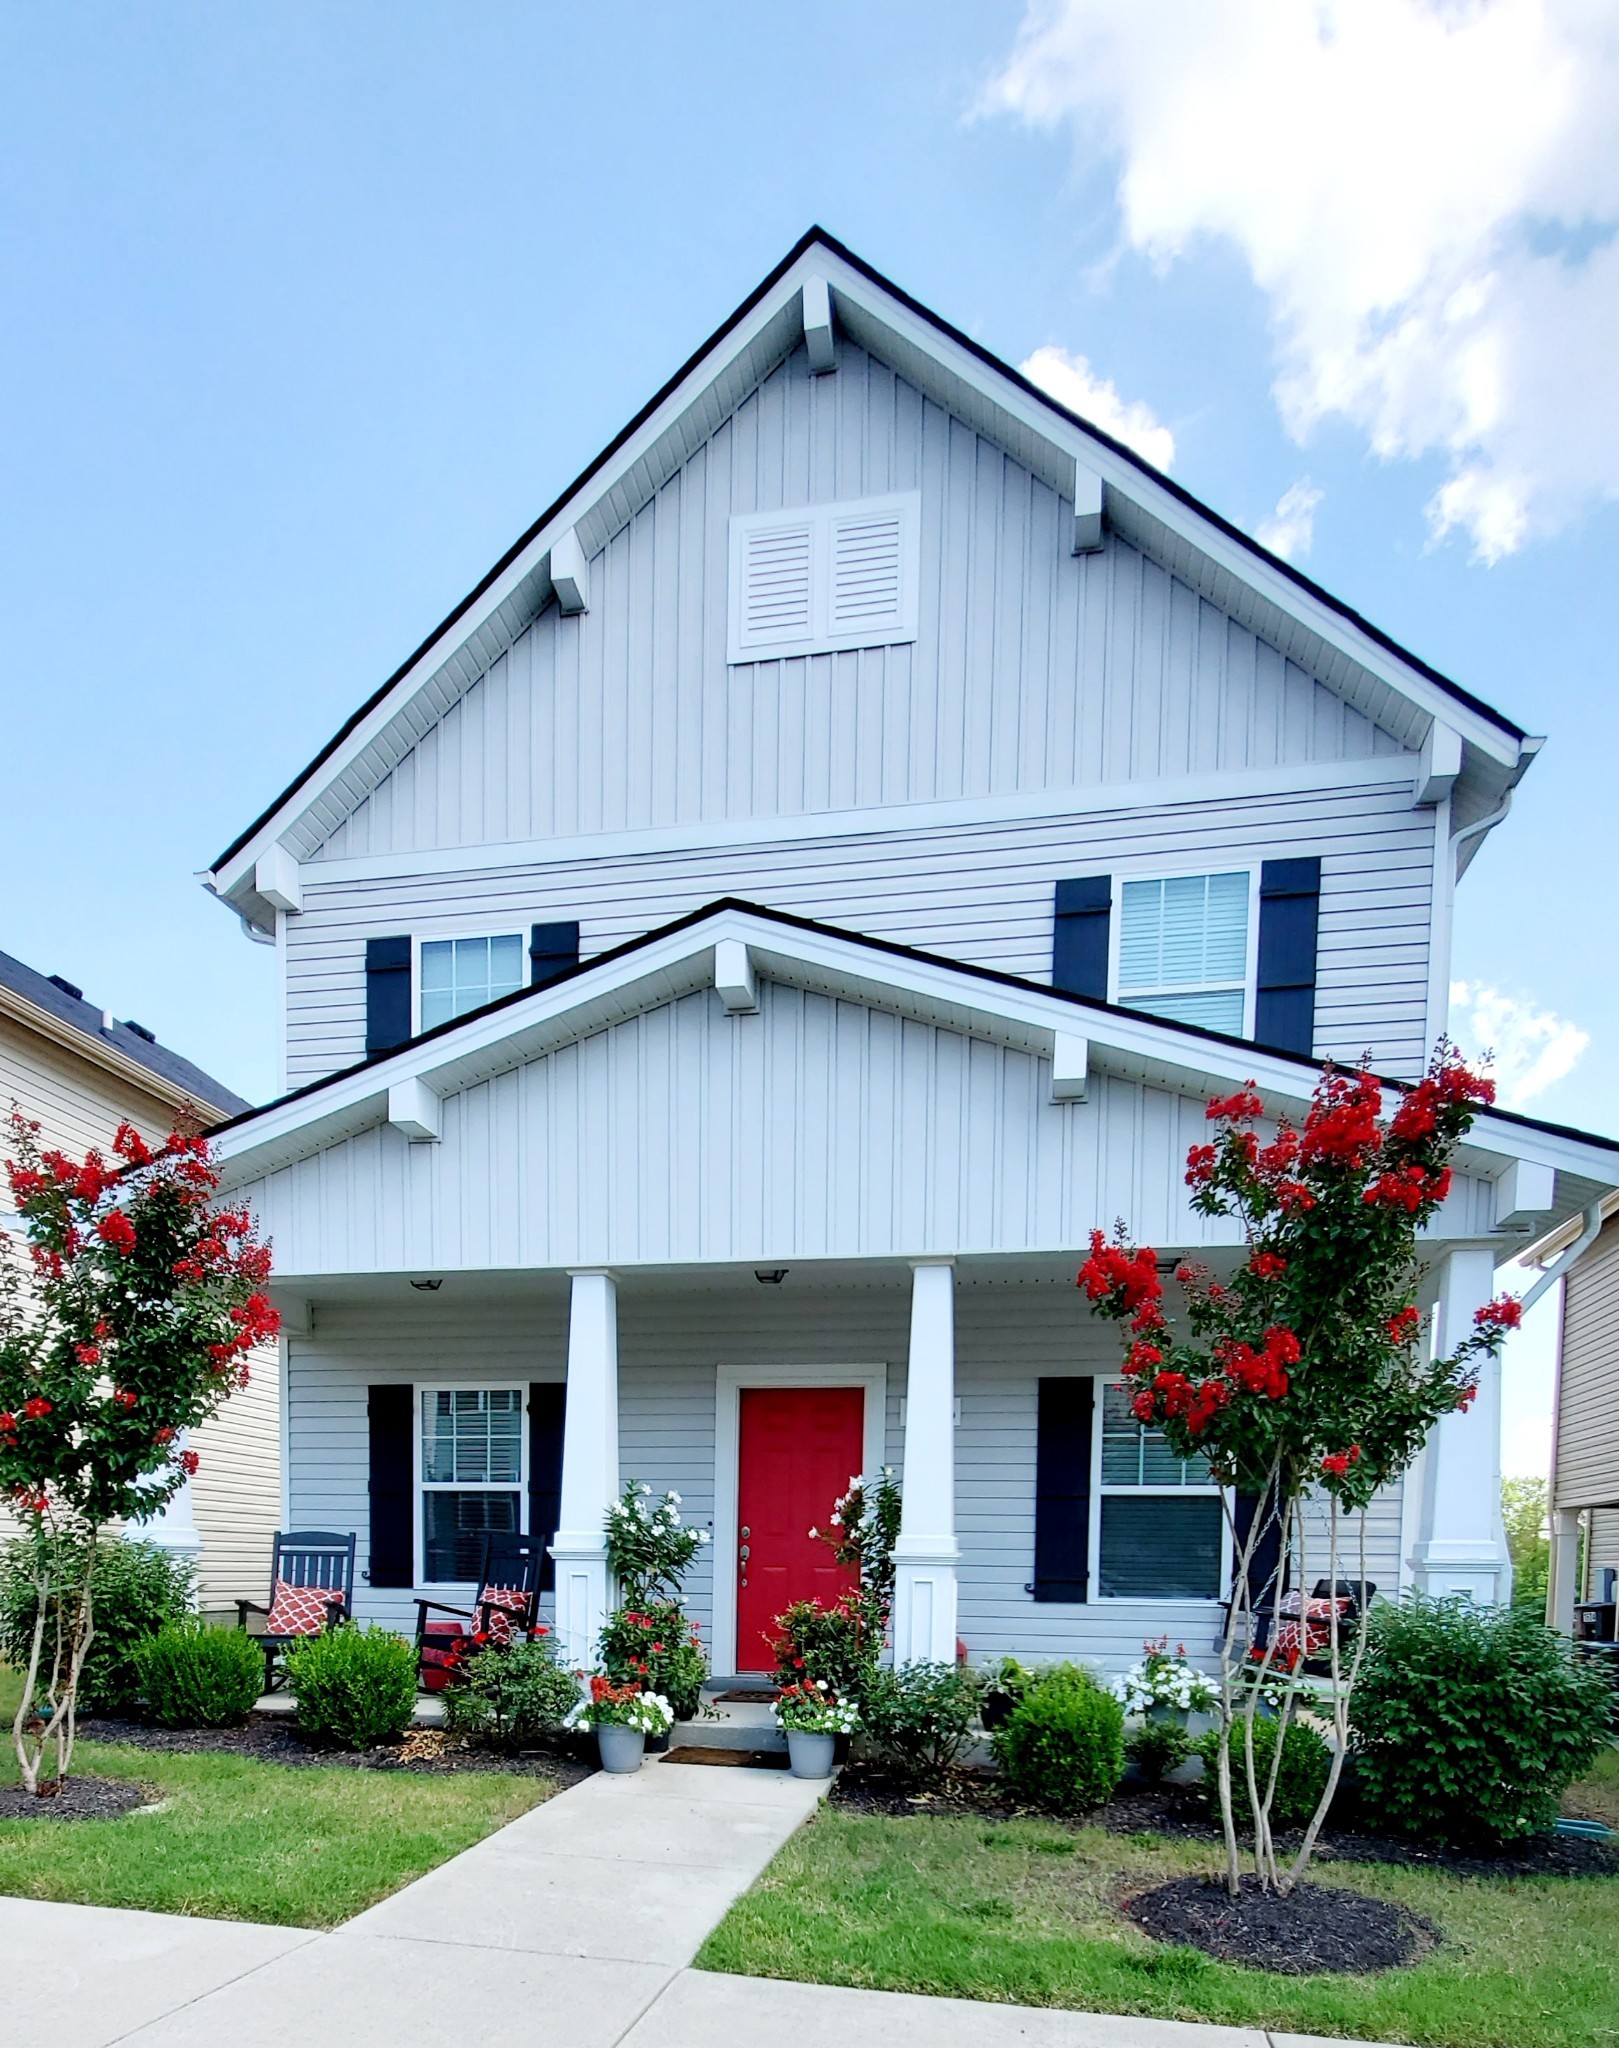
(822, 578)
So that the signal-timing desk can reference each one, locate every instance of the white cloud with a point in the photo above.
(1426, 191)
(1291, 527)
(1072, 382)
(1530, 1048)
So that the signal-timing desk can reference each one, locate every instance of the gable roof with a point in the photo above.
(1388, 683)
(679, 959)
(52, 1007)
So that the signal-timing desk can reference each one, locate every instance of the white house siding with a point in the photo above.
(1032, 669)
(236, 1495)
(981, 893)
(670, 1341)
(1601, 1548)
(1588, 1397)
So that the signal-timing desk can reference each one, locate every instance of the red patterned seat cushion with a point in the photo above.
(439, 1640)
(1309, 1634)
(298, 1610)
(500, 1607)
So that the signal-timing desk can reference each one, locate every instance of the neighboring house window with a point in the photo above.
(1183, 948)
(463, 974)
(1162, 1534)
(473, 1474)
(819, 578)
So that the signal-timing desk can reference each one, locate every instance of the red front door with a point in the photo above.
(797, 1449)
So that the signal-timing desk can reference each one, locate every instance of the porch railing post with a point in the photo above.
(589, 1466)
(925, 1554)
(1461, 1545)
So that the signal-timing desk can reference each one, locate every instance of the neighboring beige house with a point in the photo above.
(1585, 1439)
(81, 1072)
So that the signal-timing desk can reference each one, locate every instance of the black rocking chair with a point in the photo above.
(505, 1604)
(311, 1588)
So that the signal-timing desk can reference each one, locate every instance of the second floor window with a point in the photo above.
(1183, 948)
(463, 974)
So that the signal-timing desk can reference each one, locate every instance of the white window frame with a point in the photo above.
(420, 1487)
(821, 519)
(1182, 873)
(1099, 1383)
(420, 939)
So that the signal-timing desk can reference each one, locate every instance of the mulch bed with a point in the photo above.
(1178, 1812)
(1315, 1928)
(275, 1739)
(79, 1799)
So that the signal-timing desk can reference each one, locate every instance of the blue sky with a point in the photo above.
(309, 310)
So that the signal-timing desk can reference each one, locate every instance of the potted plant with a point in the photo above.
(813, 1717)
(1004, 1687)
(1165, 1685)
(621, 1717)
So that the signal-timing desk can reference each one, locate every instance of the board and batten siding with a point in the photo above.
(1033, 668)
(670, 1343)
(980, 893)
(1588, 1396)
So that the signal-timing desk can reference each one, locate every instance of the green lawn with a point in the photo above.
(1024, 1912)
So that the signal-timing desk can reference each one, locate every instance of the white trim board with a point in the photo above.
(729, 1380)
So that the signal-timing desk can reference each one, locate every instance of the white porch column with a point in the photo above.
(1461, 1543)
(925, 1554)
(1562, 1591)
(589, 1466)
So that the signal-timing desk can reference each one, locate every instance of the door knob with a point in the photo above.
(745, 1553)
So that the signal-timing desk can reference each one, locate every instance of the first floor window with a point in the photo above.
(1162, 1525)
(1183, 949)
(472, 1476)
(463, 974)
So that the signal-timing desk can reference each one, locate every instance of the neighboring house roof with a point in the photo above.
(57, 1009)
(678, 958)
(1332, 641)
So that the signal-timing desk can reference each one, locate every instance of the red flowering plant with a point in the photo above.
(1303, 1374)
(660, 1647)
(129, 1322)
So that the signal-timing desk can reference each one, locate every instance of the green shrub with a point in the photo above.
(1300, 1782)
(510, 1693)
(137, 1587)
(834, 1643)
(919, 1718)
(658, 1648)
(354, 1686)
(1063, 1747)
(1156, 1748)
(1468, 1723)
(194, 1676)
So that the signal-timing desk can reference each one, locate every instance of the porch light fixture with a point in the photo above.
(427, 1286)
(770, 1276)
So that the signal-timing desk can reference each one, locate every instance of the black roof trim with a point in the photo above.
(806, 241)
(995, 977)
(50, 993)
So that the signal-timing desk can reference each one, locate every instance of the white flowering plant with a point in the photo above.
(812, 1708)
(622, 1706)
(649, 1547)
(1165, 1678)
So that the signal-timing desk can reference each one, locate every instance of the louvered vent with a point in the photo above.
(776, 583)
(867, 573)
(824, 577)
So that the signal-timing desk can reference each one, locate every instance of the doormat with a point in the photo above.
(736, 1759)
(749, 1696)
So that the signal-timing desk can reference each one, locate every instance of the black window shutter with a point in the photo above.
(391, 1412)
(1079, 938)
(1267, 1557)
(547, 1400)
(1062, 1489)
(1289, 903)
(552, 950)
(387, 994)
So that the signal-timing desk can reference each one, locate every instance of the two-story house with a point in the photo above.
(819, 873)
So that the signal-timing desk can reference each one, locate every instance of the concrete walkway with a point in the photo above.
(570, 1928)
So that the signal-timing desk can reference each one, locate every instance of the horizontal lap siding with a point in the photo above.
(236, 1495)
(1588, 1406)
(1032, 668)
(980, 894)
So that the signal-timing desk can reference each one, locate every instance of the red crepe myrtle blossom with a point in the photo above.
(1504, 1313)
(1128, 1277)
(116, 1230)
(1337, 1463)
(37, 1409)
(1267, 1266)
(189, 1461)
(1402, 1326)
(87, 1354)
(125, 1398)
(164, 1436)
(1238, 1108)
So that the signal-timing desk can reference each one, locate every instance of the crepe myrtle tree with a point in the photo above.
(129, 1323)
(1309, 1374)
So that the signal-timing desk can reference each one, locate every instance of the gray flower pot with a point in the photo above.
(621, 1748)
(810, 1755)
